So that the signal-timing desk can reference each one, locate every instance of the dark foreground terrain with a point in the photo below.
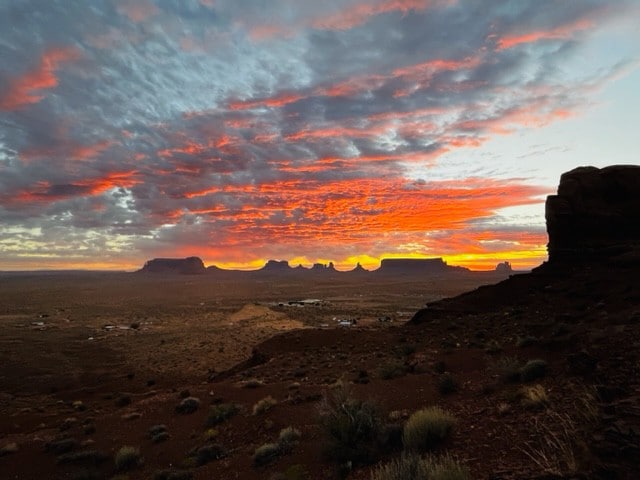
(538, 377)
(583, 325)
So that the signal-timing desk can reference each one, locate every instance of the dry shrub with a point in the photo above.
(427, 427)
(353, 427)
(264, 405)
(414, 467)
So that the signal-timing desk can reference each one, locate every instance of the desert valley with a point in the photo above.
(213, 375)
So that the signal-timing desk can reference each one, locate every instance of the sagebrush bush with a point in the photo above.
(127, 458)
(508, 369)
(533, 370)
(426, 428)
(188, 405)
(390, 370)
(289, 436)
(353, 427)
(220, 413)
(265, 454)
(264, 405)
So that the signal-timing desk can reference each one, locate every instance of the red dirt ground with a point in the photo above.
(594, 310)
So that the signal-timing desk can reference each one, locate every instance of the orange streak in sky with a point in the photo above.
(27, 88)
(559, 33)
(49, 193)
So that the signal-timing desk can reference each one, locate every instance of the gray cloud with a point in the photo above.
(123, 118)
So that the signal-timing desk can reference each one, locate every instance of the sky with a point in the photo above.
(311, 131)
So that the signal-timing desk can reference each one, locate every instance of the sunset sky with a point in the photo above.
(342, 130)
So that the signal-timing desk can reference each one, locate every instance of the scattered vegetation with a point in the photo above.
(413, 467)
(208, 453)
(426, 428)
(533, 370)
(445, 468)
(251, 383)
(127, 458)
(264, 405)
(507, 369)
(288, 437)
(535, 397)
(407, 467)
(558, 447)
(188, 405)
(220, 413)
(390, 370)
(268, 452)
(158, 433)
(352, 426)
(265, 454)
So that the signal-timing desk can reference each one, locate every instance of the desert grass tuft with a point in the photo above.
(220, 413)
(427, 428)
(127, 458)
(264, 405)
(265, 454)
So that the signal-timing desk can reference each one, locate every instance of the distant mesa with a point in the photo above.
(183, 266)
(595, 214)
(504, 267)
(276, 266)
(412, 266)
(322, 268)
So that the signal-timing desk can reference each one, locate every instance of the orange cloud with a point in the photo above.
(47, 192)
(360, 13)
(559, 33)
(370, 215)
(276, 101)
(28, 88)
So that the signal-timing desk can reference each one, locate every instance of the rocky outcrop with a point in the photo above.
(410, 266)
(595, 214)
(183, 266)
(359, 269)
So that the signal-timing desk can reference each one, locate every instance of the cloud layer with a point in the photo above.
(241, 131)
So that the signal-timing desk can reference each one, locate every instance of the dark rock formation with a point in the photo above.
(184, 266)
(359, 269)
(504, 267)
(322, 268)
(276, 266)
(423, 266)
(596, 213)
